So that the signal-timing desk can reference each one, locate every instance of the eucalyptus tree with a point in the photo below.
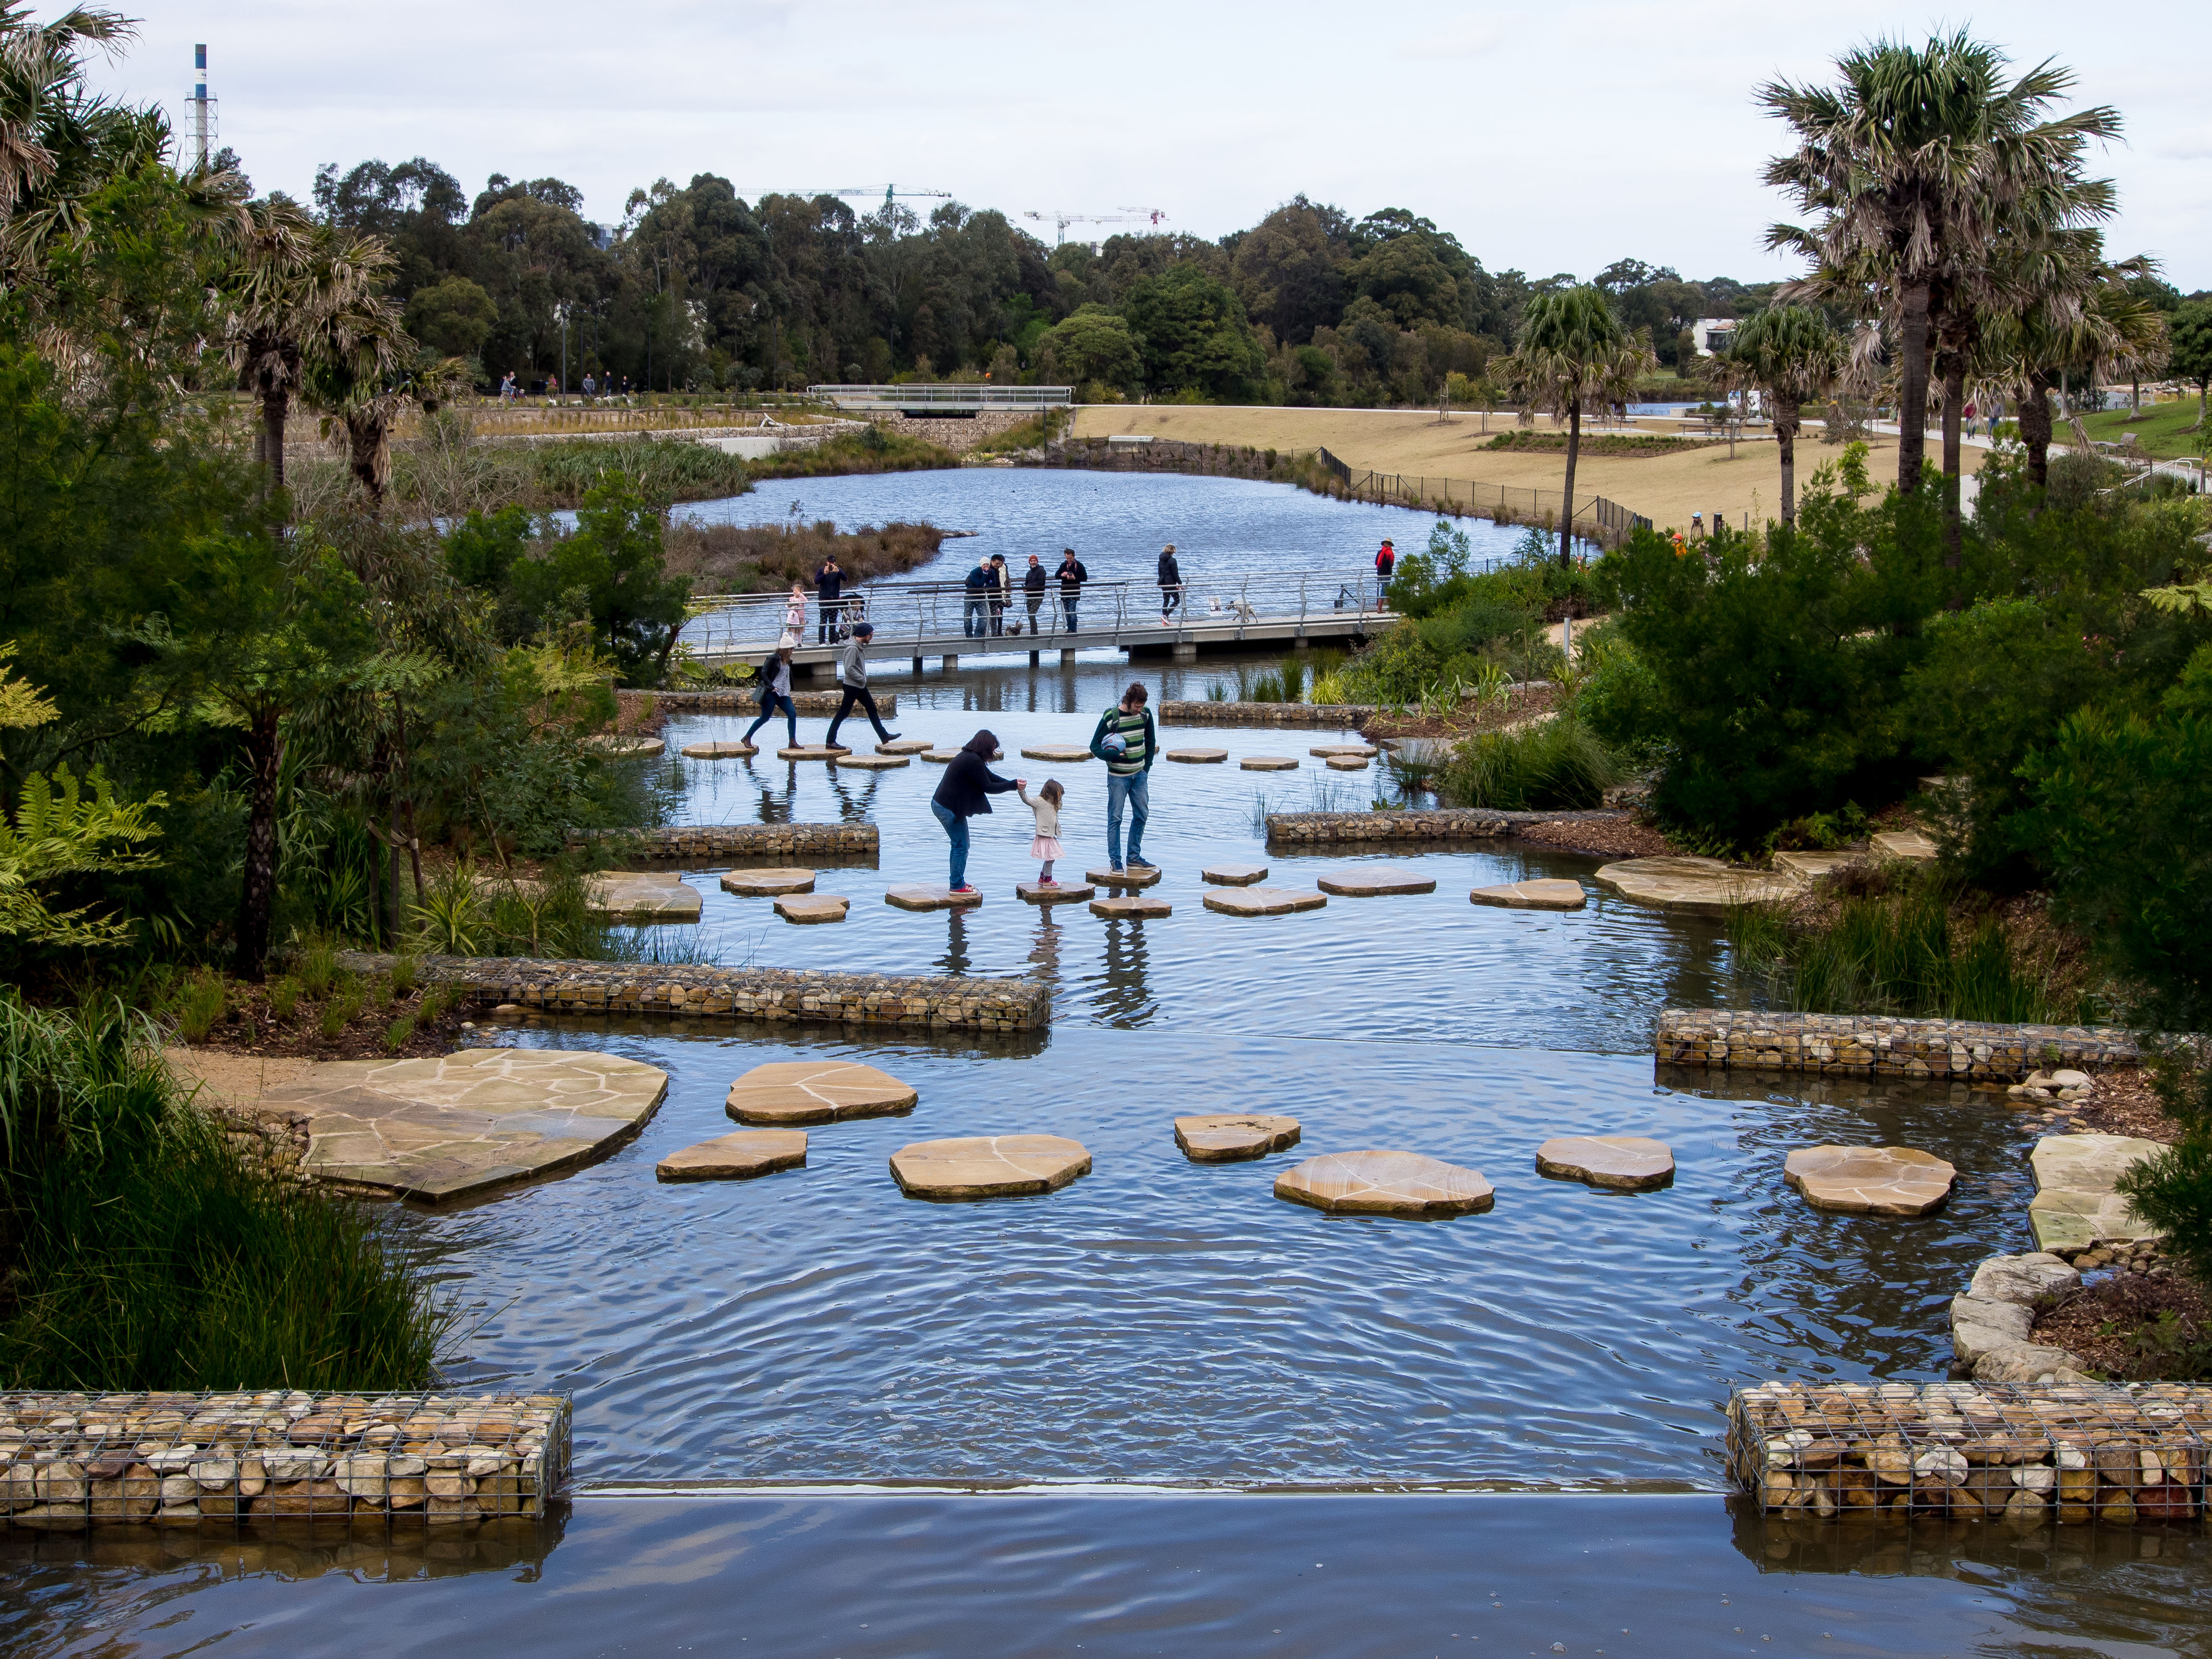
(1793, 356)
(1906, 162)
(1571, 351)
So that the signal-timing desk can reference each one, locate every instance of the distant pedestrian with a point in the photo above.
(1033, 586)
(1170, 575)
(775, 691)
(1386, 561)
(1044, 846)
(1697, 524)
(1001, 591)
(829, 586)
(853, 681)
(591, 385)
(794, 615)
(1127, 741)
(1071, 575)
(506, 387)
(980, 587)
(966, 789)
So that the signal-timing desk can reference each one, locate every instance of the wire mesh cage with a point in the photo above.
(70, 1460)
(2079, 1454)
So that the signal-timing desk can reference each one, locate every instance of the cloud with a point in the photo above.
(1476, 40)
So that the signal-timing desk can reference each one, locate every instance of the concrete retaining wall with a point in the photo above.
(1870, 1045)
(1344, 716)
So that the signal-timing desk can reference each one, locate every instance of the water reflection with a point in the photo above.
(1124, 997)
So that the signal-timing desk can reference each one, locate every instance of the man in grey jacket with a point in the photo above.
(853, 681)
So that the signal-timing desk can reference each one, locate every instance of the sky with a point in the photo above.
(1556, 137)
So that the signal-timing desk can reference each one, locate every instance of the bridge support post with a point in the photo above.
(1034, 655)
(1301, 644)
(951, 661)
(1067, 658)
(1186, 651)
(917, 663)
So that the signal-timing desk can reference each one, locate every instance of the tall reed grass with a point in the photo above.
(1557, 765)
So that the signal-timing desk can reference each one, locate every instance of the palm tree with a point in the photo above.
(1792, 356)
(1906, 162)
(2087, 317)
(45, 112)
(366, 392)
(1573, 351)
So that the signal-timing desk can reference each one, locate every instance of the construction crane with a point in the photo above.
(1060, 221)
(891, 193)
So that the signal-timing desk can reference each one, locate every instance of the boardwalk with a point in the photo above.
(920, 620)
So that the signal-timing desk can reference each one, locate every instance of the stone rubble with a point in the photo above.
(1878, 1045)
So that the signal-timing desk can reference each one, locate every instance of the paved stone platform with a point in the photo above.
(1264, 901)
(1064, 893)
(1812, 865)
(1146, 877)
(1543, 893)
(788, 1092)
(1235, 1138)
(1131, 907)
(1694, 886)
(1883, 1180)
(1345, 763)
(719, 750)
(1374, 881)
(1067, 752)
(1344, 750)
(741, 1155)
(905, 746)
(468, 1123)
(1197, 757)
(989, 1166)
(812, 908)
(812, 751)
(643, 896)
(2075, 1206)
(1233, 875)
(767, 883)
(1914, 846)
(1626, 1164)
(915, 897)
(870, 762)
(1875, 1045)
(1385, 1183)
(1268, 763)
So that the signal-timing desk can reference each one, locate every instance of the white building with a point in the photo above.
(1713, 335)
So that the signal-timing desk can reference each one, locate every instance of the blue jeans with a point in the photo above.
(956, 830)
(972, 624)
(1135, 792)
(768, 702)
(1067, 603)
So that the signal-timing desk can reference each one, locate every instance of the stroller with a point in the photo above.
(852, 612)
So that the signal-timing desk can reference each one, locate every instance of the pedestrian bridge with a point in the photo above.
(938, 398)
(918, 620)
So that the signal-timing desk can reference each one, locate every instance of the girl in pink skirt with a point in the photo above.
(1045, 845)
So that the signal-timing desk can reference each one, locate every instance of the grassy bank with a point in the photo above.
(732, 558)
(142, 1253)
(2166, 430)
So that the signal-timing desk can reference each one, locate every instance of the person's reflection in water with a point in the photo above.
(956, 957)
(1045, 953)
(1126, 1000)
(774, 806)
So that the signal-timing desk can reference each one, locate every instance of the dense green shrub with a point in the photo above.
(2173, 1190)
(1617, 695)
(1550, 765)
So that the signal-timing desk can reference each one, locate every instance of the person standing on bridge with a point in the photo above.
(1127, 741)
(1002, 589)
(853, 681)
(1170, 583)
(980, 587)
(1386, 561)
(1033, 586)
(1071, 575)
(829, 584)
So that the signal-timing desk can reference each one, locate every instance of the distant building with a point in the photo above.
(1713, 335)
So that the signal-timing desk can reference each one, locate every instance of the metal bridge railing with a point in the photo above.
(939, 395)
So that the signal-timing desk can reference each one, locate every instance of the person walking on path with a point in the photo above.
(853, 681)
(1001, 591)
(1033, 586)
(1170, 583)
(1386, 561)
(1071, 575)
(966, 790)
(775, 689)
(829, 584)
(1127, 742)
(1044, 846)
(978, 600)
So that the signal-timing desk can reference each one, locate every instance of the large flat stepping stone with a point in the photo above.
(1344, 750)
(1199, 757)
(1061, 892)
(870, 762)
(1693, 885)
(1374, 881)
(1385, 1183)
(1131, 907)
(1544, 893)
(642, 896)
(989, 1166)
(1143, 876)
(947, 756)
(1910, 844)
(1264, 901)
(462, 1124)
(929, 898)
(1345, 763)
(2075, 1207)
(787, 1092)
(807, 909)
(1057, 751)
(627, 748)
(1809, 867)
(1896, 1180)
(767, 883)
(1234, 875)
(719, 750)
(1232, 1139)
(905, 746)
(1268, 763)
(812, 751)
(739, 1156)
(1627, 1163)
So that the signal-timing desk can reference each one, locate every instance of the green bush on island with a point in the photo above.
(1556, 764)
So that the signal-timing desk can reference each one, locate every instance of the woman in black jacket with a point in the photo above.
(967, 789)
(1170, 583)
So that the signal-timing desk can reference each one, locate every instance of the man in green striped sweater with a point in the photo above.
(1126, 741)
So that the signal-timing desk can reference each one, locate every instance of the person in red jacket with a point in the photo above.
(1386, 561)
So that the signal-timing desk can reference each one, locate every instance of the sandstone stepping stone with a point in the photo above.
(989, 1166)
(1234, 875)
(465, 1123)
(812, 751)
(929, 898)
(1136, 876)
(1233, 1138)
(767, 883)
(1692, 886)
(1903, 844)
(739, 1156)
(1066, 892)
(1627, 1163)
(2075, 1207)
(1345, 763)
(1544, 893)
(809, 908)
(869, 763)
(627, 748)
(719, 750)
(1131, 907)
(1264, 901)
(1374, 881)
(1811, 866)
(642, 896)
(788, 1092)
(1056, 751)
(944, 756)
(1385, 1183)
(1896, 1181)
(904, 746)
(1199, 757)
(1268, 763)
(1356, 750)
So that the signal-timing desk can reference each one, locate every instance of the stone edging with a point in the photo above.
(1878, 1046)
(1992, 1319)
(1349, 715)
(780, 995)
(747, 702)
(696, 843)
(1443, 823)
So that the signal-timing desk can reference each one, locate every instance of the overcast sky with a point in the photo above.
(1556, 136)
